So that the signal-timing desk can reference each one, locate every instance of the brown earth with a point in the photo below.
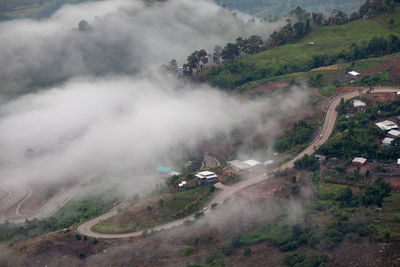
(374, 98)
(332, 67)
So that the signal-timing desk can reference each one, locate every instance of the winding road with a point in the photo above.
(19, 194)
(227, 191)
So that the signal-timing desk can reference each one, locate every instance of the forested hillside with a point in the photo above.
(275, 8)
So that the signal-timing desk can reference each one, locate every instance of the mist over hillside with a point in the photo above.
(121, 37)
(276, 8)
(85, 102)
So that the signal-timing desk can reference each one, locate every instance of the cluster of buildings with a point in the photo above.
(391, 130)
(250, 165)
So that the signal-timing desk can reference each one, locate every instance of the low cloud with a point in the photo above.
(120, 126)
(124, 37)
(83, 104)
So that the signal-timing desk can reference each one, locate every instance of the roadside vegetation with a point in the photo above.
(69, 217)
(356, 136)
(153, 212)
(295, 139)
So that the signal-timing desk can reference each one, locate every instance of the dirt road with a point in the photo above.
(329, 123)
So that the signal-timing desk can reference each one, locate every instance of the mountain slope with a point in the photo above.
(275, 8)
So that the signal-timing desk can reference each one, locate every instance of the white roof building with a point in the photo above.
(269, 162)
(394, 133)
(252, 162)
(238, 165)
(359, 160)
(353, 73)
(182, 183)
(206, 175)
(359, 104)
(387, 141)
(387, 125)
(398, 161)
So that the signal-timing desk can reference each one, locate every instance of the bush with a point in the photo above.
(294, 258)
(307, 162)
(186, 251)
(227, 249)
(247, 252)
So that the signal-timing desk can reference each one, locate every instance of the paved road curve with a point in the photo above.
(18, 194)
(326, 131)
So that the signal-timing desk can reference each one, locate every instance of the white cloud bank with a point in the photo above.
(109, 116)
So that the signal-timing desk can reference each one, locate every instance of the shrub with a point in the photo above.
(247, 252)
(186, 251)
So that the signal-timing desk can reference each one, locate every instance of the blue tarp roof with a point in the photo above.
(163, 169)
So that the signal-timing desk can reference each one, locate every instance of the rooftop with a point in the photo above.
(394, 132)
(163, 169)
(386, 125)
(354, 73)
(359, 160)
(238, 164)
(252, 162)
(387, 141)
(358, 103)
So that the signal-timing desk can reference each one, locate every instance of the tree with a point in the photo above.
(217, 54)
(230, 51)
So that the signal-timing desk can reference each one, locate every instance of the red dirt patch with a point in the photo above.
(374, 98)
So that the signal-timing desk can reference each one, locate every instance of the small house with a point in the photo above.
(182, 184)
(387, 141)
(358, 104)
(359, 161)
(269, 164)
(354, 73)
(394, 133)
(238, 165)
(207, 176)
(320, 157)
(252, 163)
(387, 125)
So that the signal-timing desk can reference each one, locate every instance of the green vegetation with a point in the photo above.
(231, 179)
(300, 259)
(389, 221)
(276, 8)
(298, 136)
(307, 162)
(175, 206)
(351, 43)
(375, 193)
(392, 20)
(72, 214)
(356, 137)
(186, 251)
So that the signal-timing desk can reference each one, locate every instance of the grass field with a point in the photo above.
(328, 40)
(390, 218)
(172, 206)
